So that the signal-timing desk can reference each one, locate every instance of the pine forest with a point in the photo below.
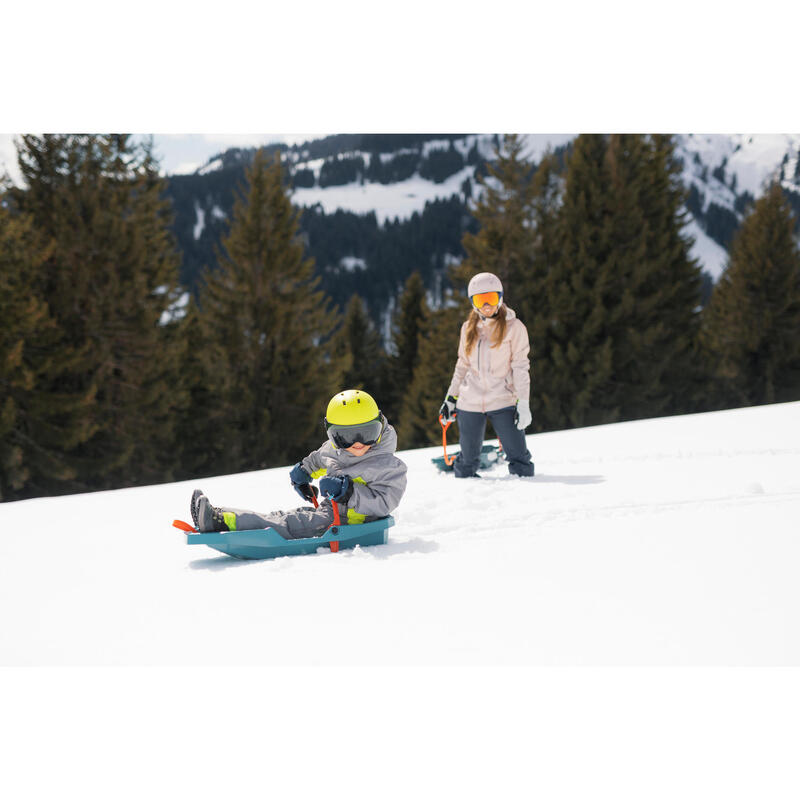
(132, 354)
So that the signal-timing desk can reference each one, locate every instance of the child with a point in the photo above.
(358, 471)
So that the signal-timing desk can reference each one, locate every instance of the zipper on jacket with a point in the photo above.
(483, 382)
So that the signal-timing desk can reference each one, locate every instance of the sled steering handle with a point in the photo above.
(336, 518)
(445, 425)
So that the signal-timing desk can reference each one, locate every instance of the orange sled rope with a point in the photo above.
(445, 425)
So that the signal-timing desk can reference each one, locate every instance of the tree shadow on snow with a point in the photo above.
(575, 480)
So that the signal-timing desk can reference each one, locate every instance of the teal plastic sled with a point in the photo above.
(490, 455)
(268, 543)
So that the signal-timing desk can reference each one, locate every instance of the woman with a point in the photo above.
(491, 380)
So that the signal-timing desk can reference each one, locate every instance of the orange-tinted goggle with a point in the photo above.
(492, 298)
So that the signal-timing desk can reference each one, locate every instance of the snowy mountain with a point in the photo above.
(723, 173)
(669, 541)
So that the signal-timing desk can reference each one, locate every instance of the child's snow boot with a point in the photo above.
(206, 518)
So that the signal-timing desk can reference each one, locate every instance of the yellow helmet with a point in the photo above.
(353, 416)
(351, 407)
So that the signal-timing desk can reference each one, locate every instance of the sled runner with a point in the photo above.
(268, 543)
(490, 453)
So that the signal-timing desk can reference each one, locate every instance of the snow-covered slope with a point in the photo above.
(754, 159)
(668, 541)
(400, 200)
(721, 168)
(389, 201)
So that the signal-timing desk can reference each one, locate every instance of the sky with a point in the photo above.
(178, 153)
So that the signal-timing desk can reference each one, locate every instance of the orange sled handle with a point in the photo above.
(445, 425)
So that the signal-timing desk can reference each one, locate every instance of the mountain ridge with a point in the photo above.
(358, 191)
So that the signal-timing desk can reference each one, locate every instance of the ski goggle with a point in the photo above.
(492, 298)
(344, 436)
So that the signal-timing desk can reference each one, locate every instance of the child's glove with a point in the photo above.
(301, 483)
(448, 408)
(523, 416)
(306, 491)
(338, 487)
(299, 475)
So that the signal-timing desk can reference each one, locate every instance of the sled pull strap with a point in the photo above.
(183, 526)
(445, 425)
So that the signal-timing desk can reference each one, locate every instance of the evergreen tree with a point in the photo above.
(668, 287)
(535, 284)
(267, 327)
(374, 172)
(197, 429)
(752, 324)
(622, 292)
(577, 352)
(108, 282)
(504, 241)
(361, 342)
(408, 322)
(418, 424)
(26, 334)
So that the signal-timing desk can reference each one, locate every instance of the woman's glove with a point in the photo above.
(301, 483)
(448, 408)
(523, 416)
(337, 487)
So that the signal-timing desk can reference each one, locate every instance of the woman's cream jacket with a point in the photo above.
(492, 377)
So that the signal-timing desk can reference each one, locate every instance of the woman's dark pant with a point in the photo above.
(471, 430)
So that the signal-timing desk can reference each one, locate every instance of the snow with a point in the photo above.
(200, 222)
(175, 311)
(713, 258)
(315, 165)
(184, 168)
(753, 158)
(352, 263)
(388, 201)
(212, 166)
(670, 541)
(402, 199)
(425, 662)
(538, 143)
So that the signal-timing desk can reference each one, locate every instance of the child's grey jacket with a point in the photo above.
(379, 477)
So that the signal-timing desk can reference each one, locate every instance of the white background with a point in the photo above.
(460, 731)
